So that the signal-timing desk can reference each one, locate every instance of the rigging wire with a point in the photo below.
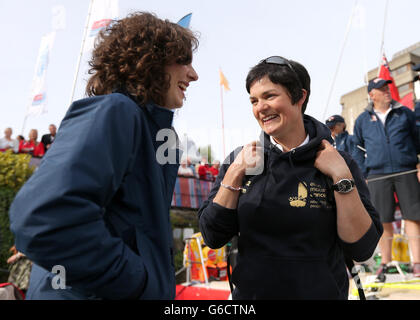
(340, 58)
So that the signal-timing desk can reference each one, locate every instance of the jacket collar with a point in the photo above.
(394, 105)
(163, 117)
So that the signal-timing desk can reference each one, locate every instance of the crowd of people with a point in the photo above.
(201, 170)
(31, 145)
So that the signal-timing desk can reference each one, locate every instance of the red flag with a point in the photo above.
(407, 101)
(385, 73)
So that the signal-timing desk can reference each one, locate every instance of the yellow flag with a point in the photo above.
(223, 80)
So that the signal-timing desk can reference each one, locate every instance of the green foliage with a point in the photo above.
(207, 152)
(184, 219)
(6, 237)
(14, 171)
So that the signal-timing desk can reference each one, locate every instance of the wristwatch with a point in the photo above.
(344, 186)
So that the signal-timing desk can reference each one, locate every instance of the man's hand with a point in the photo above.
(14, 258)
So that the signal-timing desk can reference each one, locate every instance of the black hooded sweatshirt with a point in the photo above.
(286, 223)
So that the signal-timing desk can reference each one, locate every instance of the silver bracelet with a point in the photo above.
(231, 188)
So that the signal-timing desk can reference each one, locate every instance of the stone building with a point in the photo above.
(355, 102)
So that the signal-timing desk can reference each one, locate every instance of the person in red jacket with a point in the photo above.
(203, 169)
(32, 146)
(214, 169)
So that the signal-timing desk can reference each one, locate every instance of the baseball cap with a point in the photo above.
(377, 83)
(333, 120)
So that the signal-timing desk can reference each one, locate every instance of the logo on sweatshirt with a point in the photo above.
(317, 199)
(300, 200)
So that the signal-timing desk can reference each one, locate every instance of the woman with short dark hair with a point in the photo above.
(299, 207)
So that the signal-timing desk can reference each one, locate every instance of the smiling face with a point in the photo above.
(33, 135)
(181, 76)
(274, 111)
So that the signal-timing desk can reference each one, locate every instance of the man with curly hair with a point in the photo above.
(94, 218)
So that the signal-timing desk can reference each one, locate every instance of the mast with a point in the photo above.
(382, 49)
(79, 59)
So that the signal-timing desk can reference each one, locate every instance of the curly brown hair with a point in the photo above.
(130, 56)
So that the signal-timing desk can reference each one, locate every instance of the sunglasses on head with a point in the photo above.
(278, 60)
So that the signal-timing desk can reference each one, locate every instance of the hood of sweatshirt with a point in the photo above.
(316, 130)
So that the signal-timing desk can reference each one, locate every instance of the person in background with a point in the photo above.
(416, 68)
(20, 269)
(387, 131)
(299, 207)
(214, 169)
(20, 138)
(7, 142)
(184, 170)
(191, 165)
(32, 146)
(48, 139)
(97, 208)
(203, 170)
(343, 141)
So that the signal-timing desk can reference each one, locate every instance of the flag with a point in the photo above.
(185, 21)
(385, 73)
(37, 104)
(408, 100)
(223, 80)
(100, 15)
(102, 12)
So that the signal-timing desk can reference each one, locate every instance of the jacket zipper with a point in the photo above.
(388, 140)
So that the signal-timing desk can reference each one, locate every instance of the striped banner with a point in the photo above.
(190, 192)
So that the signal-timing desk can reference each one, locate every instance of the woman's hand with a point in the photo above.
(331, 163)
(250, 161)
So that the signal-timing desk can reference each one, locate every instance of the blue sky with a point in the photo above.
(234, 36)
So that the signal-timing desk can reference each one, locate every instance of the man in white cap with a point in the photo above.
(387, 131)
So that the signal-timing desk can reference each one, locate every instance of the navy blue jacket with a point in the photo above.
(417, 112)
(98, 205)
(344, 142)
(286, 222)
(389, 149)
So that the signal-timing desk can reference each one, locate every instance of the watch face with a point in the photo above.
(345, 185)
